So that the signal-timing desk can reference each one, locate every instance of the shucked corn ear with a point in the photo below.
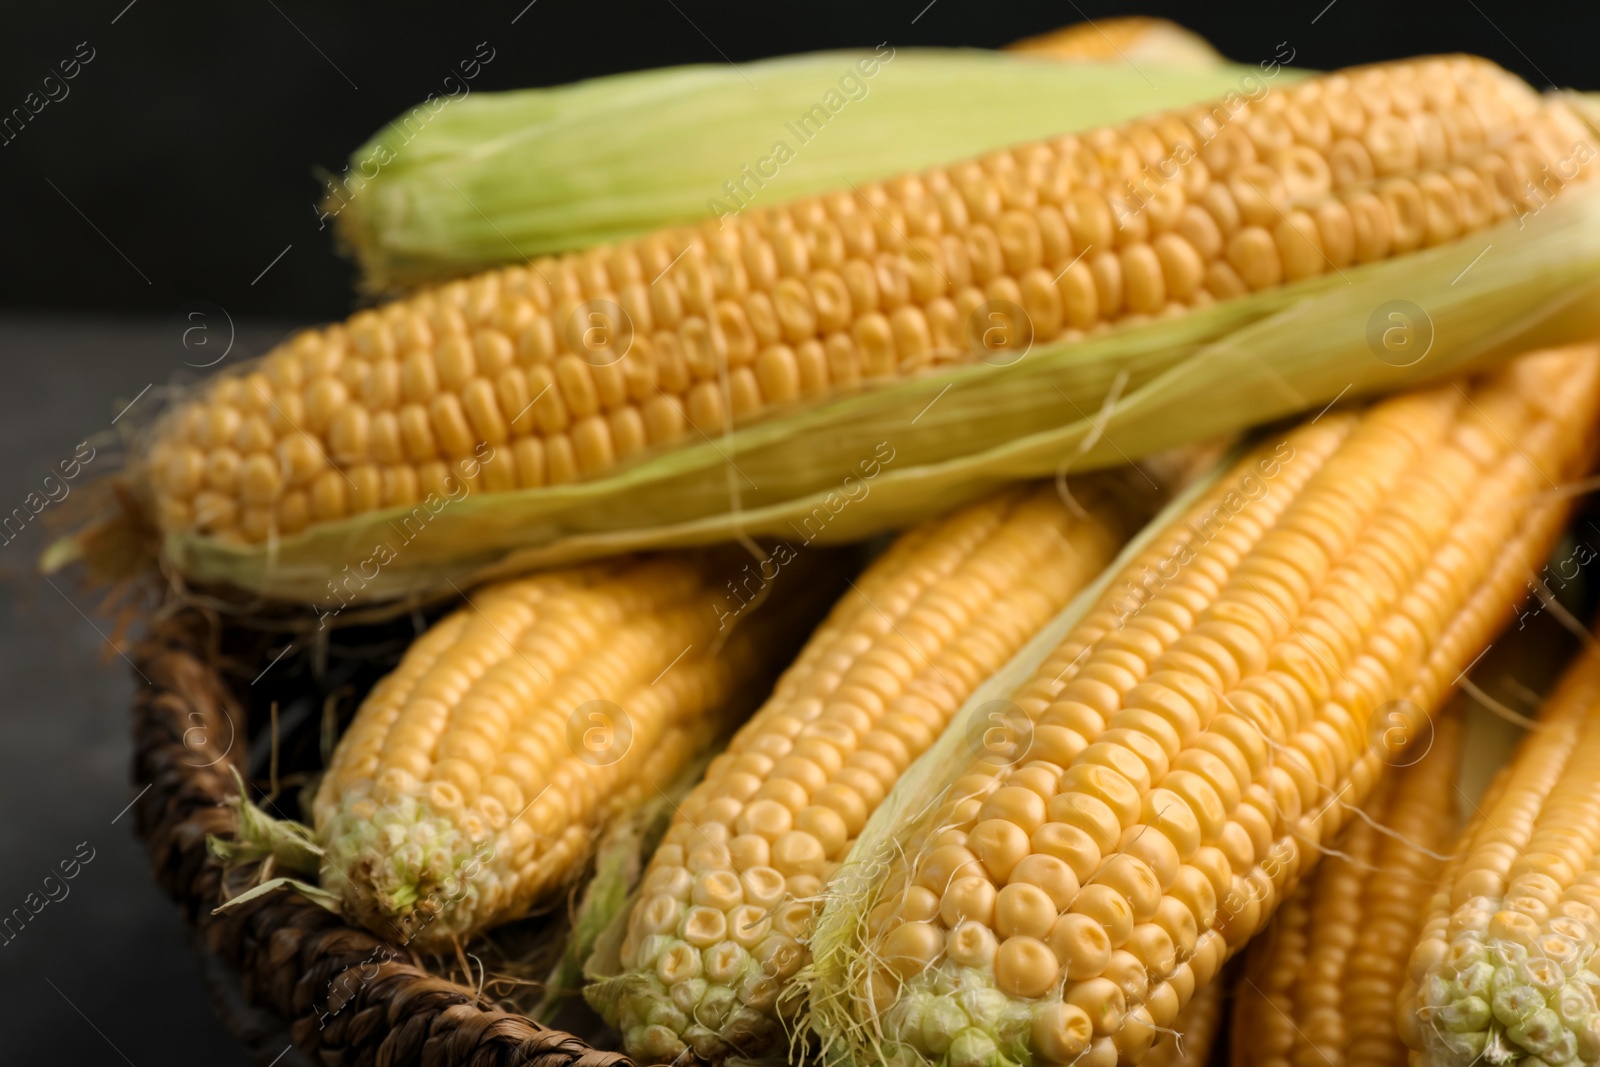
(520, 384)
(463, 185)
(1505, 971)
(1322, 981)
(727, 901)
(1199, 732)
(476, 775)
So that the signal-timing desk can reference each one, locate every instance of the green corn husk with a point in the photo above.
(922, 445)
(494, 178)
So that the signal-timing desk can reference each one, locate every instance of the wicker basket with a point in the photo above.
(343, 995)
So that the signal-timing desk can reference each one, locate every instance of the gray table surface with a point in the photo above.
(103, 975)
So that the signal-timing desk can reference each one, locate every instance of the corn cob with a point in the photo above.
(475, 776)
(564, 368)
(1322, 982)
(1132, 39)
(1505, 970)
(1194, 1034)
(727, 900)
(1201, 731)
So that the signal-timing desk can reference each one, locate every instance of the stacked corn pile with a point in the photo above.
(1042, 767)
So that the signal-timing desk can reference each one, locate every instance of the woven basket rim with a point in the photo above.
(345, 995)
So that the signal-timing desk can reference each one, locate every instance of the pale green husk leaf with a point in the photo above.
(276, 844)
(258, 837)
(316, 894)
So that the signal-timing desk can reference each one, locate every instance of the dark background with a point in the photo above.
(180, 165)
(192, 139)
